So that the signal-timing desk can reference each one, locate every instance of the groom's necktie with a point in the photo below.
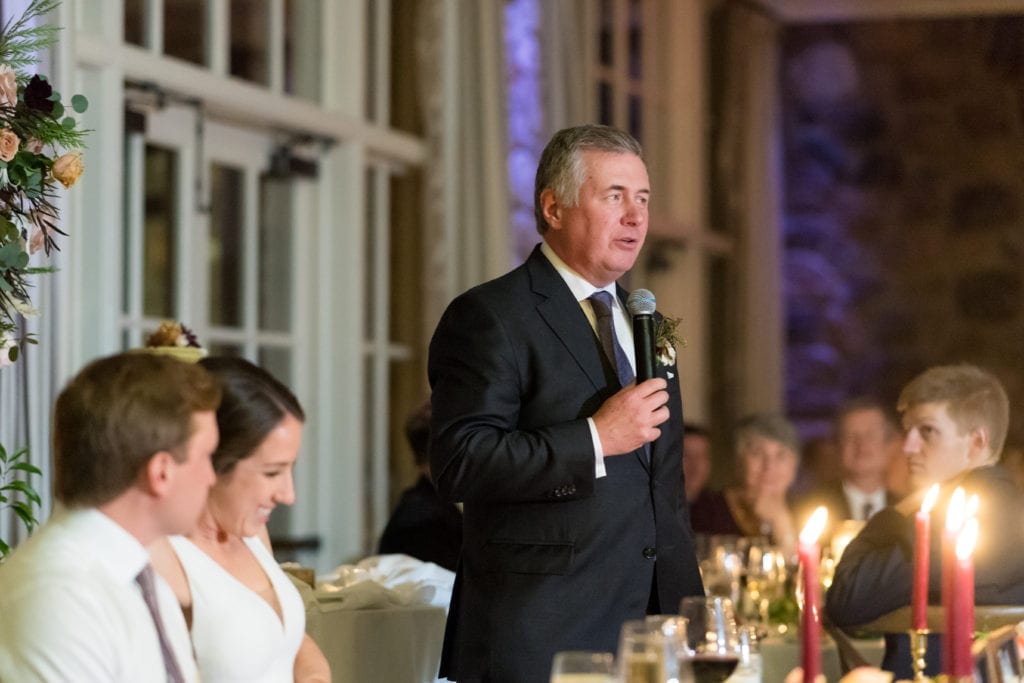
(147, 584)
(602, 303)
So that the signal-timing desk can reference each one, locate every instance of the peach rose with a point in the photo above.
(8, 87)
(9, 143)
(68, 168)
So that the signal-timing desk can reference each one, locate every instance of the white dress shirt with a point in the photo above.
(858, 499)
(581, 289)
(70, 609)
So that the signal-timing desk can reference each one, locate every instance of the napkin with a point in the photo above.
(387, 581)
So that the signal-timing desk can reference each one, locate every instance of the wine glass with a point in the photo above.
(713, 638)
(722, 568)
(766, 580)
(674, 627)
(646, 653)
(580, 666)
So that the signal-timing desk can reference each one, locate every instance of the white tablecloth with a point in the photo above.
(780, 655)
(390, 645)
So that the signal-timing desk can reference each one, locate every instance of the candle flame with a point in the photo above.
(815, 525)
(967, 539)
(930, 498)
(955, 512)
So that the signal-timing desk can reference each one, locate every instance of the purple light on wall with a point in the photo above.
(525, 118)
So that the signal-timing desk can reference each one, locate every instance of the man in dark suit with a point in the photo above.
(575, 517)
(865, 438)
(423, 525)
(954, 422)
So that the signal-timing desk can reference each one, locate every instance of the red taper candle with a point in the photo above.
(922, 544)
(954, 521)
(810, 619)
(962, 637)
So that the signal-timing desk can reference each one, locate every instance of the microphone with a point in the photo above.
(641, 305)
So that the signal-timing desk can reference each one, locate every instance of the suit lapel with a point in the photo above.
(563, 314)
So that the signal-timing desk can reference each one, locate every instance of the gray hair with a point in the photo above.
(770, 425)
(561, 168)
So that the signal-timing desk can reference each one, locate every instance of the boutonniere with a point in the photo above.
(666, 340)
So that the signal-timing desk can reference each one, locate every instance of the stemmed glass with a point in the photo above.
(583, 667)
(647, 654)
(712, 636)
(766, 579)
(722, 568)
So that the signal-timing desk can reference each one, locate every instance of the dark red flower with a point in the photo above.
(37, 95)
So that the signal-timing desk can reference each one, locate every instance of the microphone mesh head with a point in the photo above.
(640, 302)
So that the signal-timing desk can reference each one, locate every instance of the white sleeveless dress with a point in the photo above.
(236, 634)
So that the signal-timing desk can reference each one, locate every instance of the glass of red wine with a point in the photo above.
(712, 636)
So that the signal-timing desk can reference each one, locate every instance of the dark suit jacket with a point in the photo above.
(553, 558)
(875, 575)
(424, 526)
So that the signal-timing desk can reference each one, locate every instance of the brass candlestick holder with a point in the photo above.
(918, 648)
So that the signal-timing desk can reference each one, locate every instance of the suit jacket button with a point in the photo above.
(650, 552)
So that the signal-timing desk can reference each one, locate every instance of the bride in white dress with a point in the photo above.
(246, 618)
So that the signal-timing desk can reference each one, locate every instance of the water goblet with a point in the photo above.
(712, 637)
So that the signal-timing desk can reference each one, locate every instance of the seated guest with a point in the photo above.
(766, 458)
(423, 525)
(132, 438)
(696, 460)
(954, 424)
(864, 436)
(246, 617)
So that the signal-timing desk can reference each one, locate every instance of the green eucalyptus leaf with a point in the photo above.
(25, 512)
(58, 110)
(24, 488)
(79, 103)
(68, 123)
(4, 285)
(27, 467)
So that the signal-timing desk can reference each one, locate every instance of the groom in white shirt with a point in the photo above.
(133, 434)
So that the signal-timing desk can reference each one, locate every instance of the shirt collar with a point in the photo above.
(110, 544)
(580, 288)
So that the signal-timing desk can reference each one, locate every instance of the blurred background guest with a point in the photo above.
(696, 460)
(757, 505)
(423, 525)
(865, 434)
(246, 617)
(819, 464)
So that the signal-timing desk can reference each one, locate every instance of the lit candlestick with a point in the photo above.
(922, 538)
(961, 662)
(810, 618)
(954, 521)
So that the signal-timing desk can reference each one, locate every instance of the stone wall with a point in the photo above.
(904, 207)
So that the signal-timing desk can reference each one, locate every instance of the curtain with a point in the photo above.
(462, 84)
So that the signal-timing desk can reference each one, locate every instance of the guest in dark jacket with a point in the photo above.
(423, 525)
(954, 422)
(865, 439)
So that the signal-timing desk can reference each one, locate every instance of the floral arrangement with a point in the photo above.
(177, 340)
(666, 340)
(39, 143)
(39, 153)
(171, 333)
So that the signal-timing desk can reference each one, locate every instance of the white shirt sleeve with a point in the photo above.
(599, 470)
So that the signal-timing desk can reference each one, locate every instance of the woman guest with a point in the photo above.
(246, 618)
(766, 458)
